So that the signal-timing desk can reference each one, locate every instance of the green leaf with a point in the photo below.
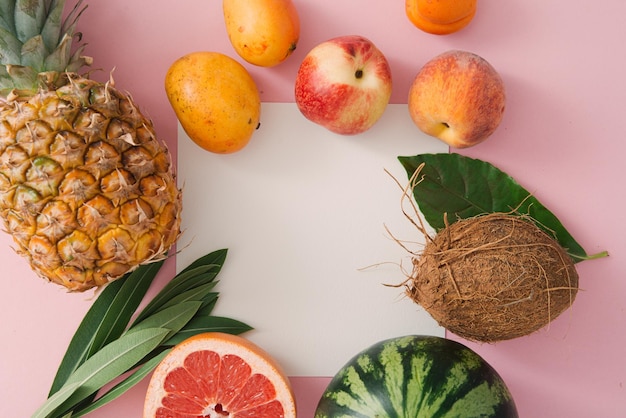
(210, 301)
(214, 258)
(111, 362)
(200, 293)
(202, 271)
(10, 48)
(173, 318)
(180, 284)
(54, 401)
(22, 77)
(82, 340)
(57, 60)
(29, 18)
(104, 346)
(106, 319)
(123, 386)
(51, 30)
(461, 187)
(34, 52)
(7, 14)
(125, 304)
(199, 325)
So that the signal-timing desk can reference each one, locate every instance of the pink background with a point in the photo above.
(563, 63)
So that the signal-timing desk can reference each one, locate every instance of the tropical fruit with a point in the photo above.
(263, 32)
(440, 17)
(215, 374)
(215, 100)
(417, 376)
(493, 277)
(86, 189)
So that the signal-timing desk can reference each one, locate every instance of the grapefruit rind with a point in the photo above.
(259, 361)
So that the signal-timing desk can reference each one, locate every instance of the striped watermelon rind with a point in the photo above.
(417, 377)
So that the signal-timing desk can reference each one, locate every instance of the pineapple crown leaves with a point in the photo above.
(36, 43)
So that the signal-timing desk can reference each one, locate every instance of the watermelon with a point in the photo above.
(416, 376)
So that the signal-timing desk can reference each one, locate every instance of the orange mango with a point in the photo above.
(262, 32)
(215, 100)
(440, 17)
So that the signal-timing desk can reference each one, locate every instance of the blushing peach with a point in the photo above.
(457, 97)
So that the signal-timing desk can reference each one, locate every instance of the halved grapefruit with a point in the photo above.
(217, 375)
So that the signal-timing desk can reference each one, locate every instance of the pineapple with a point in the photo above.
(87, 191)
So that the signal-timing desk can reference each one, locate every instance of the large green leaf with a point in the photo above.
(450, 187)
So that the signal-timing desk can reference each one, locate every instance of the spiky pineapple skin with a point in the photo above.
(86, 189)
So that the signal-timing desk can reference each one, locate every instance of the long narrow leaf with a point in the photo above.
(179, 284)
(83, 337)
(126, 384)
(199, 293)
(105, 320)
(214, 258)
(173, 318)
(111, 362)
(210, 301)
(54, 401)
(201, 271)
(200, 325)
(125, 304)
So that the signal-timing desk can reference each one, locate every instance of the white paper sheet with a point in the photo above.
(303, 213)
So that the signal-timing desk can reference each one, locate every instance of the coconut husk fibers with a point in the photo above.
(493, 277)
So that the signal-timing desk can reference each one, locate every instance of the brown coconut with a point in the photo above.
(493, 277)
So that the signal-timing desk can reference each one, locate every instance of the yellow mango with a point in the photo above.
(215, 99)
(440, 17)
(262, 32)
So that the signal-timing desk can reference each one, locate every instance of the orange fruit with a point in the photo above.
(219, 375)
(440, 17)
(263, 32)
(215, 99)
